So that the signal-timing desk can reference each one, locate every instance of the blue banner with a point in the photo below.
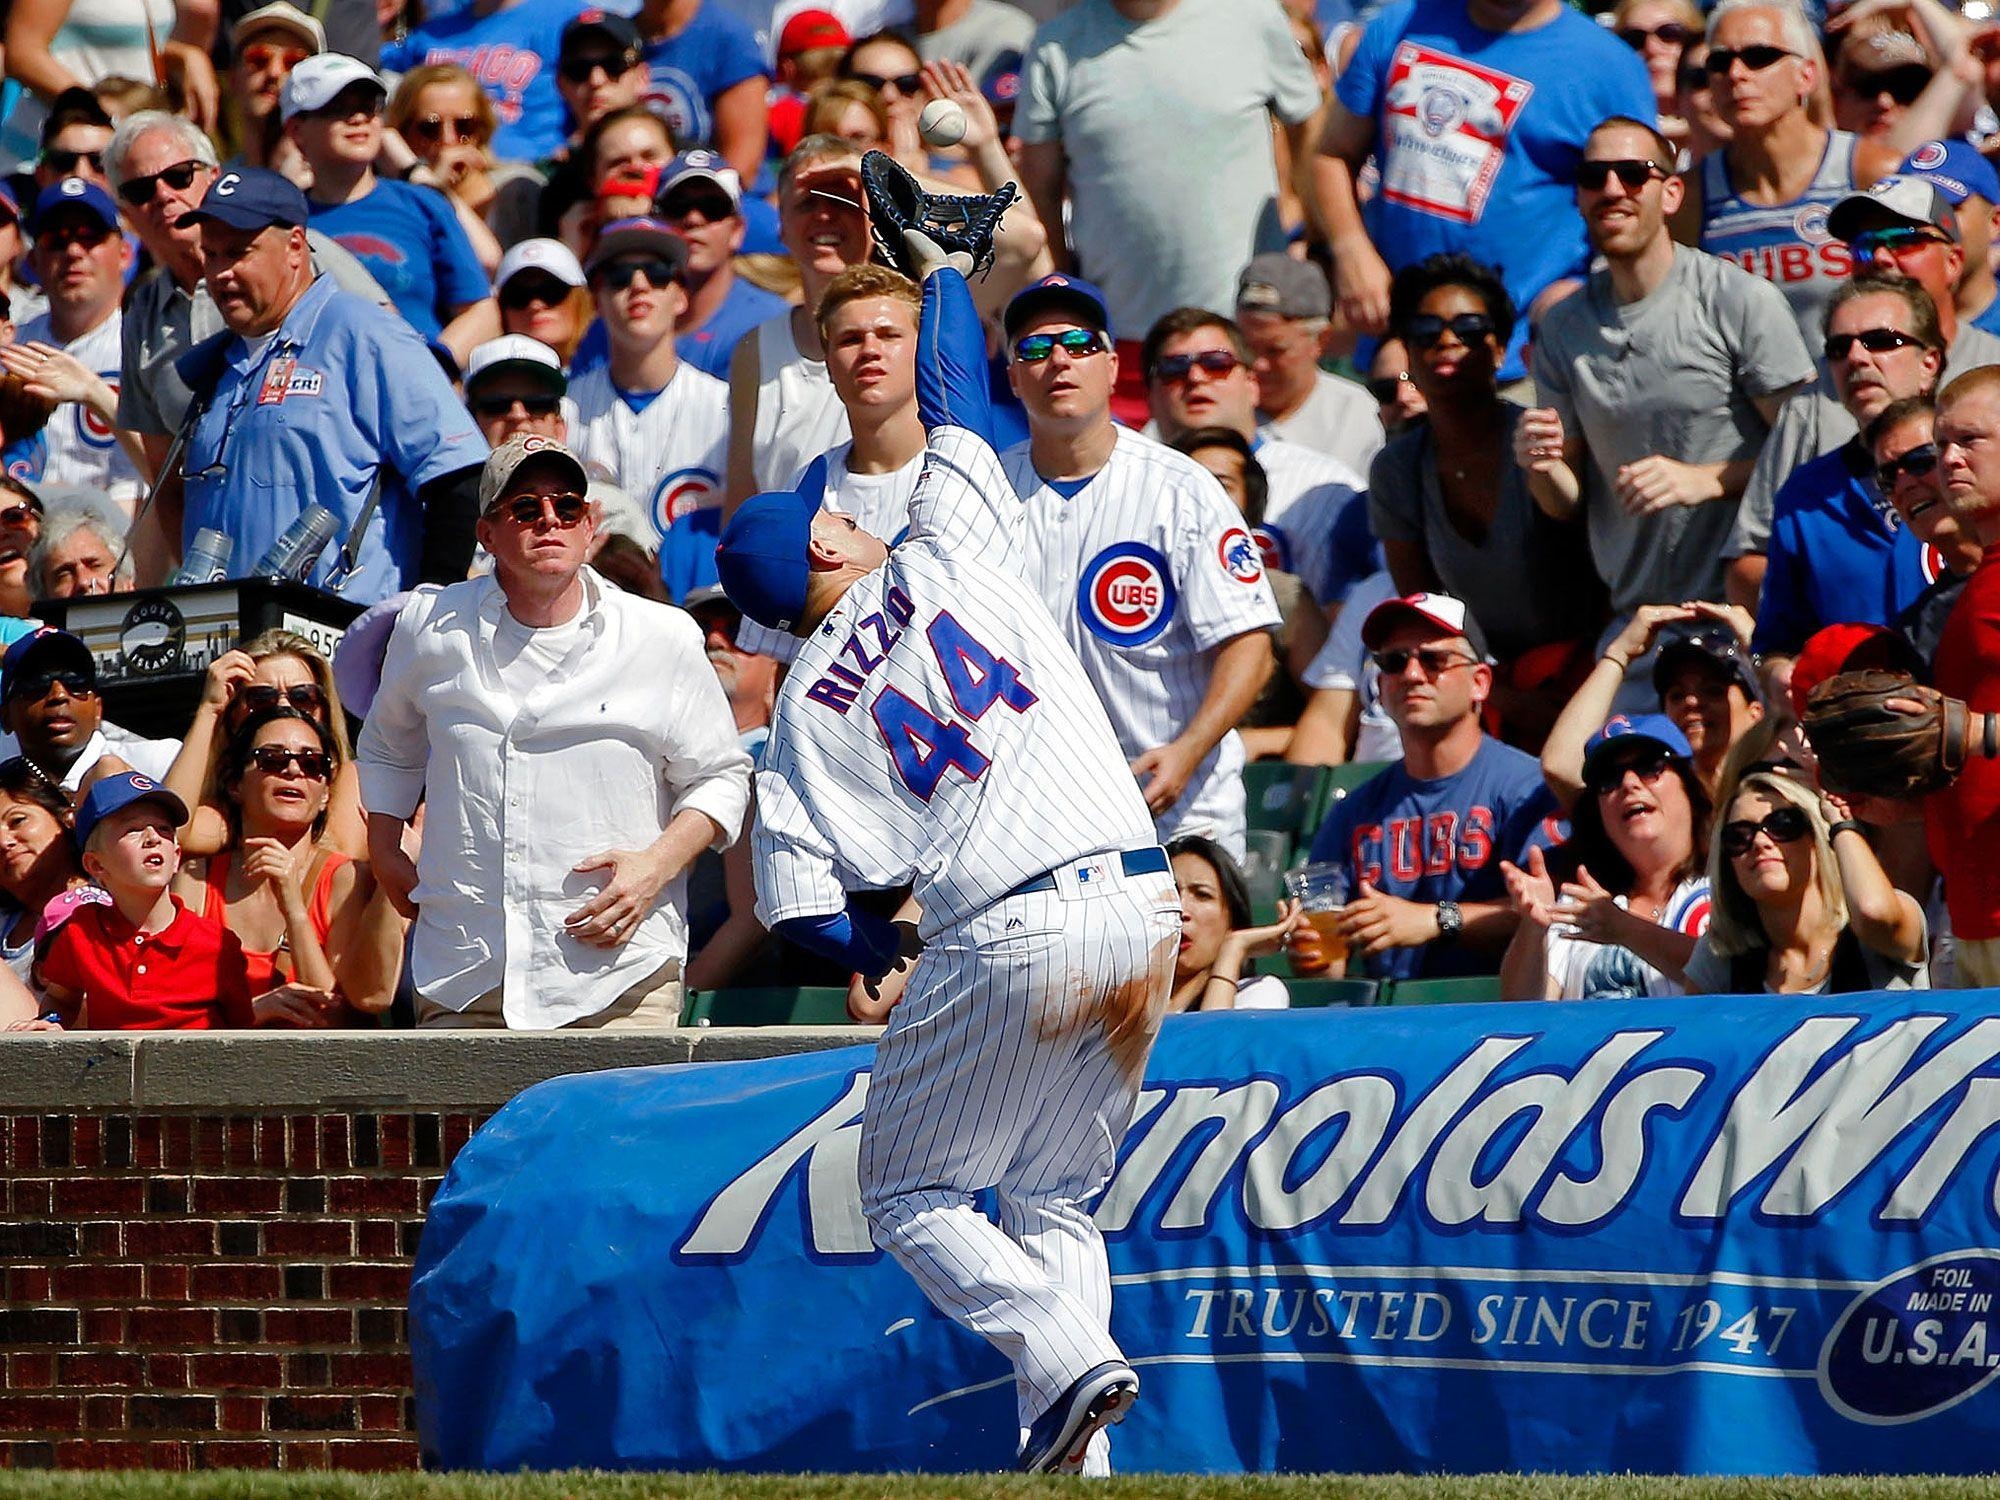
(1705, 1236)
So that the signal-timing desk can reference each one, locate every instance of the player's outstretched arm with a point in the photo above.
(952, 386)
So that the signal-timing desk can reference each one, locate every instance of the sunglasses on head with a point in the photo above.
(63, 163)
(619, 274)
(1671, 32)
(1874, 340)
(38, 686)
(1756, 58)
(1177, 367)
(1902, 84)
(906, 83)
(260, 697)
(1894, 241)
(1916, 463)
(1434, 660)
(1632, 175)
(524, 291)
(538, 405)
(1608, 776)
(137, 192)
(1783, 825)
(260, 55)
(435, 127)
(1425, 329)
(528, 510)
(273, 759)
(1033, 348)
(1385, 388)
(579, 69)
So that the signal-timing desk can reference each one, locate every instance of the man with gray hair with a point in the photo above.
(1285, 310)
(78, 550)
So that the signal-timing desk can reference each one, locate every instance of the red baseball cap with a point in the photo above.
(809, 29)
(1834, 649)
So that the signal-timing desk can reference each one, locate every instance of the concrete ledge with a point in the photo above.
(262, 1072)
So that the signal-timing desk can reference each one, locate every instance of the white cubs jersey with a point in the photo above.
(799, 415)
(666, 450)
(936, 729)
(82, 447)
(1308, 491)
(1146, 569)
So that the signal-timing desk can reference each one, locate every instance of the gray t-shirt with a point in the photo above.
(1166, 127)
(981, 37)
(1674, 374)
(1814, 422)
(1527, 582)
(1340, 418)
(162, 323)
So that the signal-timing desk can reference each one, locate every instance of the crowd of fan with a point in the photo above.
(1591, 385)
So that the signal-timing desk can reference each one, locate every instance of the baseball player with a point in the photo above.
(936, 730)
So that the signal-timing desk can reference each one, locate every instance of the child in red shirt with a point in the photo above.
(144, 962)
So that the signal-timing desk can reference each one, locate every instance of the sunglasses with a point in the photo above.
(1756, 58)
(1784, 825)
(906, 83)
(1874, 340)
(261, 697)
(63, 163)
(19, 515)
(1608, 777)
(620, 273)
(1177, 367)
(712, 206)
(137, 192)
(357, 99)
(1896, 241)
(434, 128)
(1916, 463)
(1075, 342)
(1592, 176)
(580, 69)
(524, 291)
(37, 687)
(1692, 77)
(1902, 84)
(1425, 329)
(261, 55)
(273, 759)
(1671, 32)
(538, 405)
(1434, 660)
(1385, 388)
(527, 510)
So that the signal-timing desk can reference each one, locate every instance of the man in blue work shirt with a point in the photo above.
(315, 396)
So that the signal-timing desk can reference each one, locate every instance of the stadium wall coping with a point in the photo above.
(206, 1239)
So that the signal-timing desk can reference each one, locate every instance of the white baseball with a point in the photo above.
(942, 123)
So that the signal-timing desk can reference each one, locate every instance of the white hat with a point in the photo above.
(317, 81)
(551, 256)
(279, 13)
(521, 352)
(1441, 611)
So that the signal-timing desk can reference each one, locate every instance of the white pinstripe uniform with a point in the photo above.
(1308, 491)
(1146, 570)
(669, 455)
(83, 448)
(936, 730)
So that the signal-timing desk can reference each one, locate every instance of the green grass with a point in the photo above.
(249, 1486)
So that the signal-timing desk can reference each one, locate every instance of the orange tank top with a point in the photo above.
(270, 969)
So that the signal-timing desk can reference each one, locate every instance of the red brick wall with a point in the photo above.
(202, 1292)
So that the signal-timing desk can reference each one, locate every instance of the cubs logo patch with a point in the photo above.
(1927, 158)
(1126, 596)
(92, 428)
(1240, 557)
(1692, 919)
(1930, 562)
(1274, 549)
(681, 493)
(1809, 224)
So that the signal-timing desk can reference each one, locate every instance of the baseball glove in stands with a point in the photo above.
(1884, 734)
(957, 225)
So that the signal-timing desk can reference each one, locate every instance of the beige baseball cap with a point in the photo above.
(504, 462)
(280, 16)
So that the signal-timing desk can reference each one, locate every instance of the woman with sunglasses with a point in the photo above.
(1802, 906)
(447, 121)
(1447, 500)
(544, 295)
(1659, 31)
(888, 63)
(309, 917)
(1614, 912)
(277, 668)
(851, 110)
(1759, 201)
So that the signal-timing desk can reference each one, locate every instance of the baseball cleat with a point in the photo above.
(1057, 1441)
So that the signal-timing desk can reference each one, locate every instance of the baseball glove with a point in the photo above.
(1867, 748)
(956, 225)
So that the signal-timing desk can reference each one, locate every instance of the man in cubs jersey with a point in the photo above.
(937, 731)
(655, 422)
(1144, 562)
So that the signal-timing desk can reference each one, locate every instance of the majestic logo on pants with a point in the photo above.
(1127, 595)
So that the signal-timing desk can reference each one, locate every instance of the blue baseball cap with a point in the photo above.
(114, 792)
(761, 559)
(1955, 168)
(48, 650)
(1624, 730)
(252, 198)
(1059, 293)
(72, 193)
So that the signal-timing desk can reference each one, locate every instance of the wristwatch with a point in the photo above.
(1449, 919)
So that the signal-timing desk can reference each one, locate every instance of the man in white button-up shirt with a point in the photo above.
(577, 752)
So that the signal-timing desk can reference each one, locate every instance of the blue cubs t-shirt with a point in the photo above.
(708, 347)
(716, 52)
(411, 242)
(1478, 134)
(1442, 840)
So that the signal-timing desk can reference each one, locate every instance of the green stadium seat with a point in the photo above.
(1314, 994)
(779, 1005)
(1284, 796)
(1471, 990)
